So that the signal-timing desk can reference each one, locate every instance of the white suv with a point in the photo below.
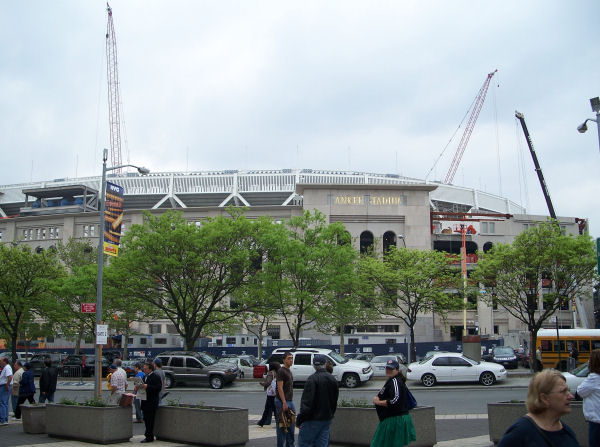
(348, 372)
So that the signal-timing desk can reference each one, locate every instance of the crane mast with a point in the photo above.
(114, 96)
(536, 163)
(462, 145)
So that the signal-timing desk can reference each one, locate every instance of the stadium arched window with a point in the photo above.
(487, 247)
(389, 240)
(366, 242)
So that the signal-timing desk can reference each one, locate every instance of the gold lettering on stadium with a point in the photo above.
(371, 200)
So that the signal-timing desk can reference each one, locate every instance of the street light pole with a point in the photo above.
(98, 351)
(102, 207)
(582, 128)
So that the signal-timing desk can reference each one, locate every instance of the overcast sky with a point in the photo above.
(375, 86)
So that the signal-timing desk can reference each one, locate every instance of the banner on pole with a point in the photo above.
(101, 334)
(113, 218)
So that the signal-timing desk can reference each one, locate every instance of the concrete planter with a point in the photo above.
(99, 425)
(502, 415)
(211, 426)
(34, 418)
(356, 426)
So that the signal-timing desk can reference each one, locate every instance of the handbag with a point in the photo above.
(411, 402)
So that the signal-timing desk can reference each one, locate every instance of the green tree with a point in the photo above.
(24, 280)
(409, 282)
(514, 272)
(304, 264)
(188, 272)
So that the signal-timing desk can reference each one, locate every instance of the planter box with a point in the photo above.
(34, 418)
(502, 415)
(99, 425)
(218, 426)
(356, 426)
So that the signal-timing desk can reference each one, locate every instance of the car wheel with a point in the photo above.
(428, 380)
(487, 378)
(351, 380)
(169, 382)
(216, 382)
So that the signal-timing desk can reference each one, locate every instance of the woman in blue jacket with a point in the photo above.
(26, 389)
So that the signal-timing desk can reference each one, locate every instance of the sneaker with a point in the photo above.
(4, 423)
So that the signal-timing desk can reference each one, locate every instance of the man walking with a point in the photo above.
(284, 402)
(5, 387)
(48, 381)
(26, 389)
(319, 402)
(17, 373)
(152, 385)
(118, 382)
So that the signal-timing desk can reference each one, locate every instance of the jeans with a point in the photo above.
(314, 433)
(594, 434)
(283, 438)
(268, 413)
(15, 401)
(138, 409)
(4, 398)
(22, 398)
(46, 397)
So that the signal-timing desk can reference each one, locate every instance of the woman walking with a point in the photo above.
(548, 399)
(590, 391)
(395, 427)
(270, 389)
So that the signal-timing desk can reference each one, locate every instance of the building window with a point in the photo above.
(92, 230)
(143, 341)
(230, 340)
(31, 234)
(57, 232)
(38, 233)
(171, 329)
(488, 227)
(160, 341)
(366, 242)
(51, 235)
(86, 231)
(43, 233)
(353, 341)
(390, 341)
(130, 340)
(155, 328)
(274, 332)
(49, 339)
(389, 240)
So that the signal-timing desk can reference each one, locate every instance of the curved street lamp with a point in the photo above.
(582, 128)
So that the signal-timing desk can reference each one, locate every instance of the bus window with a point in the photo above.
(562, 345)
(584, 346)
(595, 344)
(546, 345)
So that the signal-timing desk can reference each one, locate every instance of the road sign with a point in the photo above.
(88, 308)
(101, 334)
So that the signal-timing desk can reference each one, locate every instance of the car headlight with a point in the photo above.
(502, 370)
(365, 370)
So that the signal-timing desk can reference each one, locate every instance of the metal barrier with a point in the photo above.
(71, 371)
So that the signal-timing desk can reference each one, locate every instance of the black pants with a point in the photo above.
(22, 399)
(269, 411)
(149, 416)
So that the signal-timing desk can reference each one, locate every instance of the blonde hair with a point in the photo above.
(542, 383)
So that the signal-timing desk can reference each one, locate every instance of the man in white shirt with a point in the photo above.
(5, 387)
(118, 382)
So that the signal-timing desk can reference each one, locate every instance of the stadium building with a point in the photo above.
(378, 210)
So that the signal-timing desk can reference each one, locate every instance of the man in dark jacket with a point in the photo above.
(152, 385)
(48, 382)
(26, 389)
(318, 405)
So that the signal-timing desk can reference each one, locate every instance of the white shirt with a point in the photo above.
(5, 374)
(590, 391)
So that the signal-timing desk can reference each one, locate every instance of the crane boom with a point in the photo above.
(114, 96)
(469, 128)
(536, 163)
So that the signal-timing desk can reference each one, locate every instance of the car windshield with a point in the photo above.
(206, 359)
(382, 358)
(503, 351)
(337, 357)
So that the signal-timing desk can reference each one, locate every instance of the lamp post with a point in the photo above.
(582, 128)
(98, 363)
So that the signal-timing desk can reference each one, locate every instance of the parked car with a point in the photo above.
(505, 355)
(75, 365)
(454, 367)
(575, 377)
(189, 367)
(244, 366)
(379, 362)
(350, 373)
(365, 356)
(37, 361)
(128, 366)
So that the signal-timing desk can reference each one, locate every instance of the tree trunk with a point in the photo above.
(413, 349)
(124, 339)
(189, 343)
(78, 341)
(532, 350)
(296, 337)
(260, 342)
(342, 341)
(13, 342)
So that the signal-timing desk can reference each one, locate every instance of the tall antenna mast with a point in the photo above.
(114, 97)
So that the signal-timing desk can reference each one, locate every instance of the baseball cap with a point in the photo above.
(392, 364)
(157, 361)
(319, 360)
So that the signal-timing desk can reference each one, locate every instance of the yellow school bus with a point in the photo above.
(585, 340)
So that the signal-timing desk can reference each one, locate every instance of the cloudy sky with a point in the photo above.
(377, 86)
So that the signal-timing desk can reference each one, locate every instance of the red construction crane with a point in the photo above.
(114, 97)
(469, 129)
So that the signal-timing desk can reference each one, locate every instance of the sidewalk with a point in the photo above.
(13, 436)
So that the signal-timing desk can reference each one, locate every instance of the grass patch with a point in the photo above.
(355, 403)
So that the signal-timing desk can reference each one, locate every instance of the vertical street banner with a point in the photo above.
(113, 218)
